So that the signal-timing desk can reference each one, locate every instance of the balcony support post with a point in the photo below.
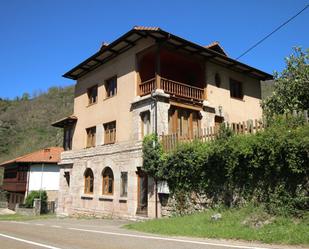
(158, 67)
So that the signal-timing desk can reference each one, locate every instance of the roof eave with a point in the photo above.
(213, 55)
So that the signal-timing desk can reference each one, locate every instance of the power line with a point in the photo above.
(283, 24)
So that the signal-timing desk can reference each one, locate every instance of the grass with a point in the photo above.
(19, 217)
(235, 224)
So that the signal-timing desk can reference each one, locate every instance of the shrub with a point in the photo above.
(37, 195)
(153, 156)
(270, 167)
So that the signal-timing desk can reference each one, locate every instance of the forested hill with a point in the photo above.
(25, 124)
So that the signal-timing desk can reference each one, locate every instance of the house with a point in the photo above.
(34, 171)
(146, 81)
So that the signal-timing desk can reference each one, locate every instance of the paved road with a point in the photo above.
(98, 234)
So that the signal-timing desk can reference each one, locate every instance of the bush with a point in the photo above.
(37, 195)
(153, 156)
(270, 167)
(3, 195)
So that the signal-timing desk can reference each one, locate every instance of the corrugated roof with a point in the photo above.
(47, 155)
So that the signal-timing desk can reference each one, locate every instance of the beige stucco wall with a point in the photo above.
(117, 108)
(234, 110)
(108, 109)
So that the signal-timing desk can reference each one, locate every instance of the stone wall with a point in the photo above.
(185, 205)
(120, 157)
(4, 204)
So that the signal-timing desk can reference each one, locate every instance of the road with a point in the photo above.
(99, 234)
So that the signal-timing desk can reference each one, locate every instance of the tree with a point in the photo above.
(291, 88)
(26, 96)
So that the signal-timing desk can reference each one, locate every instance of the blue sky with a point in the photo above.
(41, 39)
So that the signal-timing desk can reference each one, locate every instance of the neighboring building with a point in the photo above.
(34, 171)
(194, 87)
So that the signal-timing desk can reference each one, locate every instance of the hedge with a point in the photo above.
(269, 168)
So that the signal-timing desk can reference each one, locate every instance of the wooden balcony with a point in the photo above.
(173, 88)
(14, 186)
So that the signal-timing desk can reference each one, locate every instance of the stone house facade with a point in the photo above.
(146, 81)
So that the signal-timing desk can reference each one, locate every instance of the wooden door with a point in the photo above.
(142, 193)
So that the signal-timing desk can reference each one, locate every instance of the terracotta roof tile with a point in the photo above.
(48, 155)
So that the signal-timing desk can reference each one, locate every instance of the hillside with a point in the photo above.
(25, 123)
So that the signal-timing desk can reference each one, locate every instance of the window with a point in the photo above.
(67, 177)
(108, 181)
(22, 174)
(218, 121)
(145, 117)
(68, 135)
(124, 184)
(236, 89)
(184, 122)
(88, 181)
(217, 80)
(110, 132)
(10, 174)
(92, 95)
(91, 132)
(111, 87)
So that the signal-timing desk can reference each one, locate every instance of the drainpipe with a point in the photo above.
(154, 98)
(28, 179)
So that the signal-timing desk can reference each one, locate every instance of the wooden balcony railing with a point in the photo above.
(174, 88)
(147, 87)
(182, 90)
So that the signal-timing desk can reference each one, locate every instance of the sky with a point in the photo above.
(43, 39)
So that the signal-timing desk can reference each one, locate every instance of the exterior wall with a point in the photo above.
(108, 109)
(120, 157)
(234, 110)
(49, 177)
(126, 154)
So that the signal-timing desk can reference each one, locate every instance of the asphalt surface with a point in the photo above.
(100, 234)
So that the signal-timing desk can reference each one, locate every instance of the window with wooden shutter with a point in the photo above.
(89, 180)
(68, 136)
(111, 87)
(92, 95)
(108, 181)
(91, 133)
(184, 122)
(110, 132)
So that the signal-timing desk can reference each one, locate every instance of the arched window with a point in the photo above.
(88, 176)
(108, 181)
(217, 80)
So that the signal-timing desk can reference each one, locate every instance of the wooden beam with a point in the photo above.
(158, 66)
